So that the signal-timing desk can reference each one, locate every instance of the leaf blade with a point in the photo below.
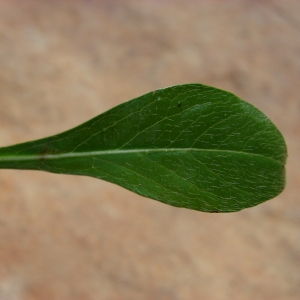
(159, 145)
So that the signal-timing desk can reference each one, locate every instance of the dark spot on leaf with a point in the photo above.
(47, 149)
(179, 104)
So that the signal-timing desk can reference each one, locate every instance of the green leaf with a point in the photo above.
(189, 146)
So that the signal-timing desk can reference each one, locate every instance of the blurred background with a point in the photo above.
(72, 237)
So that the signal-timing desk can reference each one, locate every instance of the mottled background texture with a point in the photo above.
(70, 237)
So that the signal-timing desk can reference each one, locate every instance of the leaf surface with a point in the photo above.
(189, 146)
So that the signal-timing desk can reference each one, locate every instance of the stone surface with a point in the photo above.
(68, 237)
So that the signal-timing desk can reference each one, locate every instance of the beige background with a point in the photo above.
(68, 237)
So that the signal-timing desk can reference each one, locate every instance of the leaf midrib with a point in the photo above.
(124, 151)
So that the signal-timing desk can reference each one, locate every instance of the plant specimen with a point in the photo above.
(191, 146)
